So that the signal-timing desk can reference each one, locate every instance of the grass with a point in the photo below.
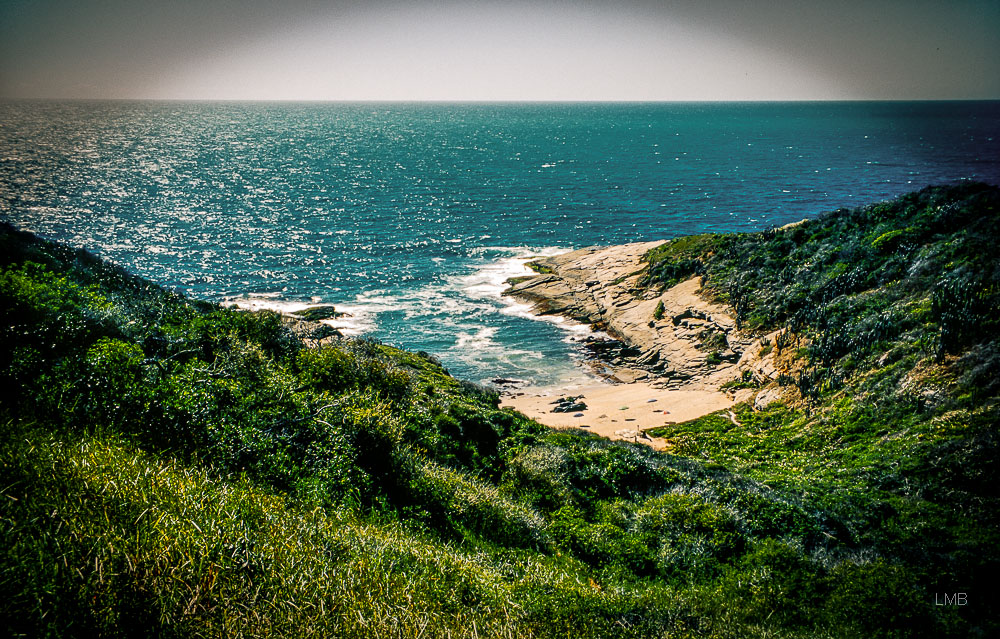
(145, 543)
(172, 468)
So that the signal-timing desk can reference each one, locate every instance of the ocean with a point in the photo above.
(411, 216)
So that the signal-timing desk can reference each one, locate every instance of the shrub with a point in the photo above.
(774, 582)
(658, 312)
(880, 600)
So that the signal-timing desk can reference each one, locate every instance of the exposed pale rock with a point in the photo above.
(666, 359)
(599, 286)
(768, 396)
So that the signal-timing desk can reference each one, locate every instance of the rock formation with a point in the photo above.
(692, 344)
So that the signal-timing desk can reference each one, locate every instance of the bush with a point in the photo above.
(775, 582)
(880, 600)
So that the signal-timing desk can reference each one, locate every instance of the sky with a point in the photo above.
(541, 50)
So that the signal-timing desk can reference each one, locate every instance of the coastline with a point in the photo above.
(656, 356)
(663, 366)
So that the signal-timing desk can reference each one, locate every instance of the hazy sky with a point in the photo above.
(542, 50)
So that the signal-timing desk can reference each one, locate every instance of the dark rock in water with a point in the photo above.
(324, 331)
(317, 313)
(503, 381)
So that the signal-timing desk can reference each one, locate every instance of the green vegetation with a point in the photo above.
(679, 259)
(539, 268)
(514, 281)
(658, 311)
(746, 380)
(172, 468)
(891, 314)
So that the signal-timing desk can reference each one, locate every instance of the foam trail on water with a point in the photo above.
(462, 316)
(266, 302)
(355, 321)
(486, 285)
(491, 281)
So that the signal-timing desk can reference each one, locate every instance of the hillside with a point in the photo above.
(173, 468)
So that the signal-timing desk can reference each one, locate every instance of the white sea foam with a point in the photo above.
(460, 312)
(355, 321)
(266, 302)
(574, 330)
(481, 339)
(478, 350)
(361, 315)
(490, 281)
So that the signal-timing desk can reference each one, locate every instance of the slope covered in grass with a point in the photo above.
(172, 468)
(889, 316)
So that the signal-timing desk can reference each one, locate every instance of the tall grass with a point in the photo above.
(102, 536)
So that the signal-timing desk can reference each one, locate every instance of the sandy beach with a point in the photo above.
(618, 411)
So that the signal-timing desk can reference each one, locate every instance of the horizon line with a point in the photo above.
(481, 101)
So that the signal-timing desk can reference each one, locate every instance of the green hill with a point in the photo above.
(169, 467)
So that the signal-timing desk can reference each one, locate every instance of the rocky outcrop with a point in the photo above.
(693, 341)
(584, 284)
(318, 313)
(310, 324)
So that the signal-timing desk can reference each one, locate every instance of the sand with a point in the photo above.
(618, 411)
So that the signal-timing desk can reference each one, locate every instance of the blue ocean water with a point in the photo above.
(411, 216)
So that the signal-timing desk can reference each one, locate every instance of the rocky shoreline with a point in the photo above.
(675, 337)
(671, 355)
(676, 341)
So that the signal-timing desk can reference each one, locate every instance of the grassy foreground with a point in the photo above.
(172, 468)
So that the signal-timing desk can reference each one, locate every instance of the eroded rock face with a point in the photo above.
(769, 396)
(692, 344)
(693, 341)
